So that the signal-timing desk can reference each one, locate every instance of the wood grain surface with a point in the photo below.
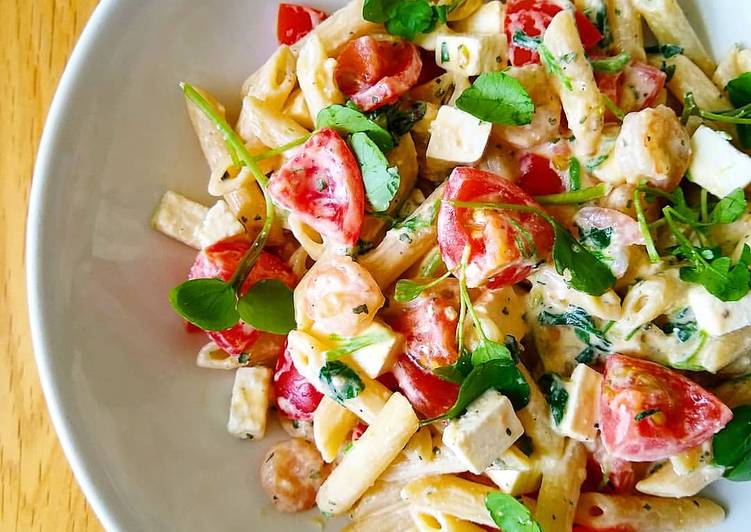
(37, 488)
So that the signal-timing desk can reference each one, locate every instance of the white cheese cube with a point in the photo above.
(179, 218)
(218, 224)
(480, 436)
(718, 317)
(716, 164)
(665, 482)
(378, 358)
(468, 54)
(514, 482)
(427, 41)
(582, 412)
(457, 137)
(250, 403)
(487, 19)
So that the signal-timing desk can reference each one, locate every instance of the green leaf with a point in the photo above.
(525, 41)
(682, 325)
(378, 10)
(583, 325)
(611, 65)
(499, 374)
(509, 514)
(553, 66)
(341, 380)
(210, 304)
(407, 290)
(595, 238)
(667, 50)
(498, 98)
(399, 117)
(490, 350)
(575, 196)
(345, 120)
(730, 208)
(268, 306)
(588, 274)
(739, 91)
(347, 346)
(381, 181)
(410, 17)
(458, 371)
(732, 445)
(556, 394)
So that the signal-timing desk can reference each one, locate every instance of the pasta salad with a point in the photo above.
(486, 262)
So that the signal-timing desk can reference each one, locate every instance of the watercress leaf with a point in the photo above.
(346, 346)
(407, 290)
(732, 445)
(346, 120)
(268, 306)
(341, 380)
(210, 304)
(458, 371)
(523, 40)
(739, 90)
(509, 514)
(730, 208)
(498, 98)
(410, 17)
(490, 350)
(667, 50)
(381, 181)
(500, 374)
(399, 117)
(611, 65)
(587, 273)
(556, 394)
(378, 10)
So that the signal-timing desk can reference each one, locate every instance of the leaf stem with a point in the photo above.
(644, 227)
(577, 196)
(281, 149)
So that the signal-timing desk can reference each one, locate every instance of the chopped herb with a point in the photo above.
(342, 382)
(584, 328)
(556, 394)
(595, 163)
(682, 325)
(596, 238)
(360, 309)
(574, 174)
(243, 358)
(667, 50)
(646, 413)
(399, 118)
(669, 70)
(611, 106)
(445, 58)
(553, 66)
(321, 184)
(525, 41)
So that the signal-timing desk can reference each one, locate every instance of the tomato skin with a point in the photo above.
(496, 239)
(641, 85)
(374, 73)
(321, 184)
(428, 394)
(533, 18)
(220, 260)
(429, 326)
(296, 398)
(537, 176)
(687, 415)
(295, 21)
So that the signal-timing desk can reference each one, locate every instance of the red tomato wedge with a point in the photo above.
(295, 21)
(649, 412)
(537, 176)
(428, 394)
(504, 246)
(374, 72)
(533, 17)
(296, 398)
(641, 85)
(220, 260)
(610, 86)
(321, 184)
(429, 326)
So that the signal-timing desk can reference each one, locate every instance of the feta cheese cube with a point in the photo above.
(469, 54)
(582, 412)
(718, 317)
(480, 436)
(250, 403)
(179, 218)
(378, 358)
(457, 137)
(218, 224)
(514, 482)
(487, 19)
(716, 164)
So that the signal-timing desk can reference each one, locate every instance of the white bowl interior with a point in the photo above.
(143, 427)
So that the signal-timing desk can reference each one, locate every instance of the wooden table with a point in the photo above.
(37, 489)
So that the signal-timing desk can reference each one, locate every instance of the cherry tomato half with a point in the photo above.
(533, 17)
(220, 260)
(295, 21)
(374, 72)
(428, 394)
(537, 176)
(296, 398)
(502, 244)
(322, 185)
(649, 412)
(641, 85)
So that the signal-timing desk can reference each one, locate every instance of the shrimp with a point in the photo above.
(337, 296)
(653, 145)
(291, 474)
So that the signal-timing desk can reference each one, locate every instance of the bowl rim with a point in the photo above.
(47, 153)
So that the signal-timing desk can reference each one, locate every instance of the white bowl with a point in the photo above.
(143, 428)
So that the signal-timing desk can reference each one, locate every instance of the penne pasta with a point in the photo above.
(626, 28)
(450, 495)
(559, 491)
(332, 424)
(315, 72)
